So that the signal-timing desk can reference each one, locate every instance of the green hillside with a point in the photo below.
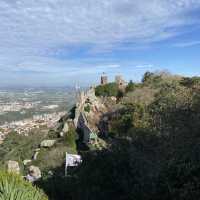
(152, 146)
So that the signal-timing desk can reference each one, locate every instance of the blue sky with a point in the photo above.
(61, 42)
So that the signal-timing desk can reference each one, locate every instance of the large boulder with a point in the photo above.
(65, 128)
(25, 162)
(13, 166)
(34, 174)
(47, 143)
(61, 134)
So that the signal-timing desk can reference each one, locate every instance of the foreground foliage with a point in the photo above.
(13, 187)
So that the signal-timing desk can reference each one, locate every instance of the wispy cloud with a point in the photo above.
(33, 33)
(147, 66)
(187, 44)
(50, 23)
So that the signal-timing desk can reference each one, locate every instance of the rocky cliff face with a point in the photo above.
(88, 113)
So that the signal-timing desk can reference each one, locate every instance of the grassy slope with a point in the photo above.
(19, 148)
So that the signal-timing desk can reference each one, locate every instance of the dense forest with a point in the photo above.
(154, 146)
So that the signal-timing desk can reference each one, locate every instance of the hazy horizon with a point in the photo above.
(57, 43)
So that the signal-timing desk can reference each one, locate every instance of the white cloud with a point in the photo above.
(58, 22)
(147, 66)
(187, 44)
(38, 29)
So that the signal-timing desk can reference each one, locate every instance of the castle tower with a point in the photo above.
(104, 79)
(119, 81)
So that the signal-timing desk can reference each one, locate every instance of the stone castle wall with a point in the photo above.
(82, 98)
(80, 119)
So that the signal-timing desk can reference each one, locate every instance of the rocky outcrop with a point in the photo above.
(89, 110)
(47, 143)
(26, 162)
(84, 98)
(65, 128)
(61, 134)
(34, 174)
(13, 166)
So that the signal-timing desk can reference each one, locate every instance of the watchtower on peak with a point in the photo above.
(120, 82)
(104, 79)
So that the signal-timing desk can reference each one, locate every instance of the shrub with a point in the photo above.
(72, 112)
(107, 90)
(120, 95)
(160, 79)
(87, 108)
(144, 95)
(190, 82)
(147, 76)
(70, 139)
(130, 87)
(13, 187)
(133, 118)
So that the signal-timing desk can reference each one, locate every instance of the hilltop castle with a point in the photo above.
(121, 83)
(89, 109)
(104, 79)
